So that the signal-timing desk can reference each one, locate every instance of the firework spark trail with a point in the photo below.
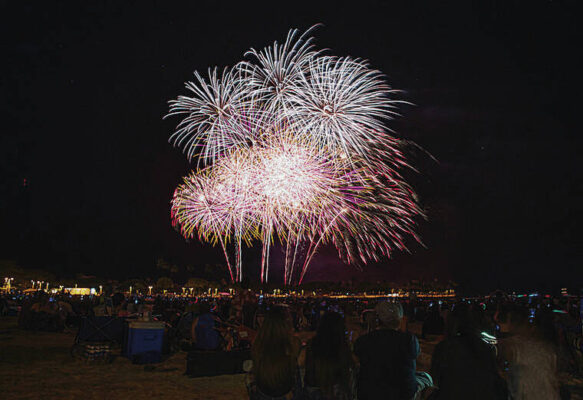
(343, 103)
(209, 111)
(296, 150)
(277, 68)
(286, 188)
(280, 186)
(293, 183)
(371, 218)
(215, 210)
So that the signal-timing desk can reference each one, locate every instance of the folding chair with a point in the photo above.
(100, 332)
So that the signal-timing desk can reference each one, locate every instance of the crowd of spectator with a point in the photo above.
(319, 348)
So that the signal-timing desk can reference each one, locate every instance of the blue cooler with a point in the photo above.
(145, 338)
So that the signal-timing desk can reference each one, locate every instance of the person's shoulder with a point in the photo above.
(445, 344)
(367, 337)
(377, 337)
(390, 334)
(409, 336)
(402, 337)
(363, 341)
(452, 343)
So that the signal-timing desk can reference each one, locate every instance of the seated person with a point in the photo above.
(122, 310)
(45, 304)
(302, 320)
(104, 308)
(44, 315)
(433, 324)
(65, 310)
(118, 301)
(463, 365)
(275, 374)
(204, 333)
(387, 359)
(328, 362)
(3, 306)
(531, 359)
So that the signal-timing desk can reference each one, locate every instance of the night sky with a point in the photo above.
(87, 174)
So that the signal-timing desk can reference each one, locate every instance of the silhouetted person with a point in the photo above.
(205, 335)
(329, 362)
(463, 366)
(388, 359)
(275, 354)
(532, 360)
(433, 324)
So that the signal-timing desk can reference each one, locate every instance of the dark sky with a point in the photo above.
(87, 173)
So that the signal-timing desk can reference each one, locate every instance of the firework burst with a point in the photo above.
(277, 68)
(294, 148)
(342, 103)
(205, 130)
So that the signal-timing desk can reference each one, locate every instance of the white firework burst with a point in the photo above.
(209, 111)
(277, 68)
(294, 146)
(343, 103)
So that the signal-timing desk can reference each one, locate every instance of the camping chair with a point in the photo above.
(96, 336)
(368, 320)
(258, 319)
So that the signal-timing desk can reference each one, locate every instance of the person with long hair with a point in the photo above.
(328, 362)
(275, 359)
(464, 366)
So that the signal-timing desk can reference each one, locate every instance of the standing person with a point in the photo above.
(275, 359)
(388, 359)
(463, 365)
(328, 362)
